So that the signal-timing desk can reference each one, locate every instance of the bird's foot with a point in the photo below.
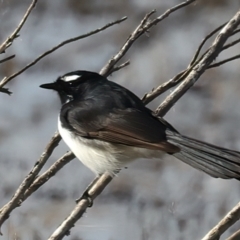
(87, 197)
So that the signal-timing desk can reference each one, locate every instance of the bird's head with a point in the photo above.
(70, 85)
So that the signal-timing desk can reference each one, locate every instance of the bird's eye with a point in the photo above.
(73, 83)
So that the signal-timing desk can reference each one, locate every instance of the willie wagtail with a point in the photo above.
(106, 126)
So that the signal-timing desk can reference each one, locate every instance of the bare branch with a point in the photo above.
(192, 74)
(168, 12)
(7, 58)
(43, 178)
(8, 42)
(235, 32)
(235, 236)
(232, 217)
(19, 194)
(5, 90)
(224, 61)
(102, 182)
(204, 41)
(28, 187)
(142, 28)
(107, 69)
(231, 44)
(80, 208)
(198, 70)
(7, 79)
(114, 69)
(148, 97)
(189, 76)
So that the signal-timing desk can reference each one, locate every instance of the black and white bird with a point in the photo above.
(107, 126)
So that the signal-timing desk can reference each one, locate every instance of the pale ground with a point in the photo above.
(162, 199)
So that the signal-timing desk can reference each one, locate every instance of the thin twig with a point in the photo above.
(148, 97)
(224, 61)
(19, 194)
(232, 217)
(8, 42)
(5, 90)
(230, 44)
(7, 79)
(235, 236)
(204, 41)
(7, 58)
(27, 186)
(114, 69)
(235, 32)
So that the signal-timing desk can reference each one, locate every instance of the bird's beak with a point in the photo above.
(49, 86)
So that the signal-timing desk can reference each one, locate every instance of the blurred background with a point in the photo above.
(152, 199)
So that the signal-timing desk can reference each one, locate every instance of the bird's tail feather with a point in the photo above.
(213, 160)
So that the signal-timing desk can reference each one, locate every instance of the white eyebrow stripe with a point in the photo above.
(70, 78)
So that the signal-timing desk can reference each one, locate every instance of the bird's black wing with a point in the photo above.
(131, 127)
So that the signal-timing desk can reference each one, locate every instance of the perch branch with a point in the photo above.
(232, 217)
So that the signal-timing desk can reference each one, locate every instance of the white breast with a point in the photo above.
(101, 156)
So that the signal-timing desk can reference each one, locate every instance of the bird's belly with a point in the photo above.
(100, 156)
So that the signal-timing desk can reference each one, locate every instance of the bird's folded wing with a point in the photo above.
(129, 127)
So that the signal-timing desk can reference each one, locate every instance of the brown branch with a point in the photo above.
(232, 217)
(8, 42)
(19, 194)
(7, 79)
